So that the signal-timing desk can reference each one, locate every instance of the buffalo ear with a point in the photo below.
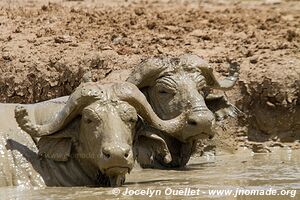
(58, 149)
(58, 146)
(150, 148)
(221, 107)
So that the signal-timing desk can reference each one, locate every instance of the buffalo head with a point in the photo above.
(105, 115)
(174, 84)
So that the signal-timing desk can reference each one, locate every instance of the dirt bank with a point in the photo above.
(47, 47)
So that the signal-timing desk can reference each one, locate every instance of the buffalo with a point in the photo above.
(85, 141)
(172, 85)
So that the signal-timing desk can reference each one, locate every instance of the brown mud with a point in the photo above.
(241, 170)
(45, 49)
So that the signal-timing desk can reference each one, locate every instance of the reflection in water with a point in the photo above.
(278, 170)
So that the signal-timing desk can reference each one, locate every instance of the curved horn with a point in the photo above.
(194, 61)
(81, 97)
(227, 83)
(147, 72)
(131, 94)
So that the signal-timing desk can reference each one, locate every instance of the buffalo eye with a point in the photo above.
(132, 120)
(129, 115)
(165, 88)
(166, 91)
(166, 94)
(163, 92)
(88, 120)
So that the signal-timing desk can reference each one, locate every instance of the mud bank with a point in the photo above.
(47, 47)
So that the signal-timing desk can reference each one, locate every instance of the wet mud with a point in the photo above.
(244, 170)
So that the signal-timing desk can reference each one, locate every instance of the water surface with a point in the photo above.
(279, 171)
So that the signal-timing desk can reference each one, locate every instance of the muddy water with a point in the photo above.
(279, 171)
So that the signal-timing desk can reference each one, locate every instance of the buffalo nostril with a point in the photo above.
(126, 153)
(210, 137)
(105, 153)
(192, 122)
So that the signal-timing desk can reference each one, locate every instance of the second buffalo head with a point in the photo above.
(173, 85)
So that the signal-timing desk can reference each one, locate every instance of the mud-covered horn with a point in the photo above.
(195, 62)
(146, 72)
(81, 97)
(131, 94)
(227, 83)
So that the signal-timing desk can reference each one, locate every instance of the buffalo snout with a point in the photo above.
(116, 158)
(116, 152)
(201, 121)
